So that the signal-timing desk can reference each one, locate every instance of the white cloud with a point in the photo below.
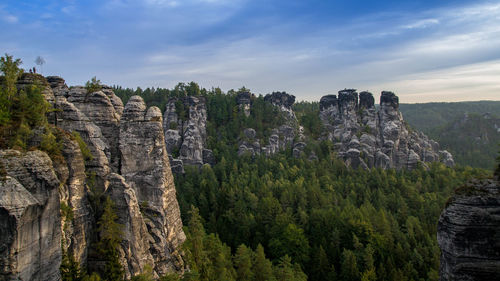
(10, 18)
(424, 23)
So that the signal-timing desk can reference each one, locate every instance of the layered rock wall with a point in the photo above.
(468, 233)
(30, 222)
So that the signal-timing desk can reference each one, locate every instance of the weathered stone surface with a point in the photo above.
(366, 100)
(328, 101)
(208, 157)
(446, 158)
(244, 99)
(381, 137)
(70, 119)
(284, 102)
(468, 233)
(99, 108)
(134, 252)
(77, 230)
(30, 242)
(145, 167)
(187, 133)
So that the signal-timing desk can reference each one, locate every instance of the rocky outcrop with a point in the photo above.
(104, 109)
(135, 246)
(244, 100)
(145, 167)
(77, 228)
(288, 135)
(284, 102)
(45, 205)
(468, 233)
(366, 137)
(185, 121)
(30, 242)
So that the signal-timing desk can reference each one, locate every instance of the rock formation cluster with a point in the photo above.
(289, 134)
(185, 125)
(129, 164)
(468, 233)
(365, 136)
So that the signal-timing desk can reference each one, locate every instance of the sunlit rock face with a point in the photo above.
(365, 136)
(129, 164)
(145, 167)
(468, 233)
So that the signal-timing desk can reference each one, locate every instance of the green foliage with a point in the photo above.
(87, 154)
(308, 115)
(110, 233)
(466, 129)
(93, 85)
(146, 275)
(23, 118)
(11, 71)
(330, 220)
(70, 269)
(172, 126)
(210, 259)
(66, 211)
(52, 145)
(93, 277)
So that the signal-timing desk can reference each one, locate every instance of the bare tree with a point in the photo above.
(40, 61)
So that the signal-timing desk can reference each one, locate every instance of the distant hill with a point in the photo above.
(469, 130)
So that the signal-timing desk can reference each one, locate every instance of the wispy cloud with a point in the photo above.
(280, 45)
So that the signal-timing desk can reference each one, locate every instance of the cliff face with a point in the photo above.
(366, 137)
(30, 235)
(185, 125)
(129, 164)
(469, 233)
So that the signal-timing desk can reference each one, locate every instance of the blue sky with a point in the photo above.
(423, 50)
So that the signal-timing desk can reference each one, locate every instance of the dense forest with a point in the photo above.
(469, 130)
(316, 218)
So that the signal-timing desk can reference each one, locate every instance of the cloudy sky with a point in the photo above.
(447, 50)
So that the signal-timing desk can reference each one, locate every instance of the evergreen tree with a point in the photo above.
(350, 271)
(110, 233)
(243, 263)
(262, 268)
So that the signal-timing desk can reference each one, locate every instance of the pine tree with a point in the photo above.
(262, 268)
(110, 233)
(243, 263)
(349, 270)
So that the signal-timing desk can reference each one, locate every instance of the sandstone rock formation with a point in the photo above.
(469, 233)
(366, 137)
(145, 166)
(244, 100)
(30, 242)
(289, 134)
(284, 102)
(184, 124)
(45, 204)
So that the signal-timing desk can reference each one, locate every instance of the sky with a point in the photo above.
(447, 50)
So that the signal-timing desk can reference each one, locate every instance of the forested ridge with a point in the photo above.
(469, 130)
(316, 218)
